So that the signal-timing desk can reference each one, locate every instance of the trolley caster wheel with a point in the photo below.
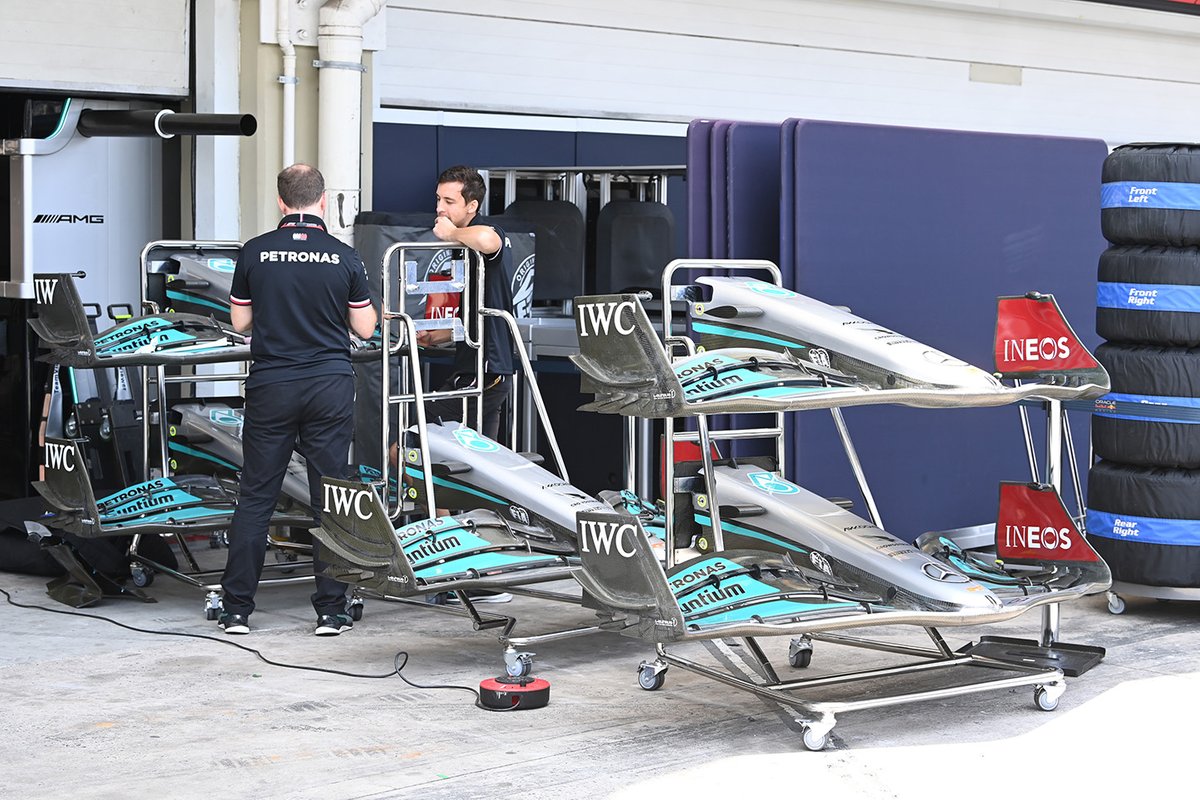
(355, 610)
(1046, 699)
(1116, 605)
(141, 576)
(213, 606)
(800, 652)
(518, 665)
(814, 739)
(218, 539)
(650, 677)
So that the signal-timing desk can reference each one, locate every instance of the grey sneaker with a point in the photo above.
(333, 624)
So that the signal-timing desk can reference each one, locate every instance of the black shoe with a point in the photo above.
(333, 624)
(234, 623)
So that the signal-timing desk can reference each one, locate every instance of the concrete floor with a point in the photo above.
(93, 710)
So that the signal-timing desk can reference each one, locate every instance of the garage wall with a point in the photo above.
(1057, 67)
(122, 46)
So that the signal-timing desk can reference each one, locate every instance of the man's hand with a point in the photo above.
(445, 230)
(434, 338)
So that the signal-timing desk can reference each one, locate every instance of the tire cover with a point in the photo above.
(1165, 377)
(1141, 496)
(1124, 172)
(1147, 293)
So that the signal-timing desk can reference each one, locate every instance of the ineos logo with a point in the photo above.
(597, 318)
(60, 456)
(343, 499)
(1033, 349)
(1037, 538)
(600, 537)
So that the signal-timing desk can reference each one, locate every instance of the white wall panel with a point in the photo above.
(1080, 69)
(117, 46)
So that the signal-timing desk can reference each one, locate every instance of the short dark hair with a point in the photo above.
(473, 187)
(300, 186)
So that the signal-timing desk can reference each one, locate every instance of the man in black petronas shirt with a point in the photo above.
(297, 289)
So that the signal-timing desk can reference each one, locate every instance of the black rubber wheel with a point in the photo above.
(1140, 520)
(356, 611)
(1167, 378)
(1129, 212)
(1143, 291)
(211, 614)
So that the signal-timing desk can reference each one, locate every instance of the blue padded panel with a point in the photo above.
(718, 172)
(699, 139)
(920, 230)
(752, 190)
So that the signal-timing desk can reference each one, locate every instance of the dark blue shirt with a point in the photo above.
(497, 294)
(300, 283)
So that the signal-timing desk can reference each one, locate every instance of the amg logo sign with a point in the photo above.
(598, 537)
(43, 290)
(50, 219)
(1048, 349)
(595, 319)
(1037, 538)
(60, 456)
(341, 499)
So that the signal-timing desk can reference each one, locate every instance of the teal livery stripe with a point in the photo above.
(191, 451)
(737, 589)
(684, 581)
(178, 515)
(482, 562)
(706, 521)
(734, 333)
(443, 545)
(413, 472)
(187, 298)
(172, 498)
(143, 488)
(775, 608)
(139, 328)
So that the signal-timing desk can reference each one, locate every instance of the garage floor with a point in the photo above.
(96, 710)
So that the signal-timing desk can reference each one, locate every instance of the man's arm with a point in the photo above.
(241, 316)
(362, 321)
(477, 237)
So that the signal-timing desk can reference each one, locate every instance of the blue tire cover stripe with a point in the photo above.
(1148, 297)
(1148, 408)
(1150, 194)
(1149, 530)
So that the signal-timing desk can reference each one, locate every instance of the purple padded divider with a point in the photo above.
(718, 170)
(699, 137)
(787, 200)
(753, 190)
(920, 230)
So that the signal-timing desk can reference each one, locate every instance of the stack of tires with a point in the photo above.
(1144, 492)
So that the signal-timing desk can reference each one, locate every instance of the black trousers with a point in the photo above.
(316, 417)
(496, 391)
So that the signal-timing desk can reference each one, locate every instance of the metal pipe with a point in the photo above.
(855, 466)
(164, 123)
(283, 35)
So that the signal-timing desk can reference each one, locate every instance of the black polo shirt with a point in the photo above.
(300, 283)
(497, 294)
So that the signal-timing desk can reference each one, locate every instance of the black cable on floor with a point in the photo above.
(399, 662)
